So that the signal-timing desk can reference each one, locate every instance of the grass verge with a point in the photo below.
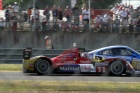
(68, 86)
(30, 86)
(10, 67)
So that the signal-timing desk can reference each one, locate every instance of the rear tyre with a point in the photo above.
(116, 68)
(43, 67)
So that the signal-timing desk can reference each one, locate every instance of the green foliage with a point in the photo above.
(7, 2)
(103, 4)
(42, 3)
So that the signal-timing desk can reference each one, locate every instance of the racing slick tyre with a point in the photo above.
(43, 67)
(116, 68)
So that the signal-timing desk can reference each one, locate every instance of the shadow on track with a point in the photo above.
(69, 74)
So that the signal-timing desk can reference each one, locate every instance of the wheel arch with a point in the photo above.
(43, 58)
(123, 61)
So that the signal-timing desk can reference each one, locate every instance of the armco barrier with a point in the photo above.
(15, 56)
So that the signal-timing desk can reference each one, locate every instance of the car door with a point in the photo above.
(122, 53)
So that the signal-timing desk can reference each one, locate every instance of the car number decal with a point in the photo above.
(101, 69)
(136, 65)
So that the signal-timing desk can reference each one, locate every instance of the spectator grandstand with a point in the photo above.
(121, 18)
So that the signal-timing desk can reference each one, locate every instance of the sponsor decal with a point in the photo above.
(69, 68)
(69, 62)
(87, 68)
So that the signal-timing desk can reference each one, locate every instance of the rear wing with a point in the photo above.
(27, 53)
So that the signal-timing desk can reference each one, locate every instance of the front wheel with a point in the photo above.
(43, 67)
(116, 68)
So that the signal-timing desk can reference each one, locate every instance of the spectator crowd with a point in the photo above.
(121, 18)
(12, 17)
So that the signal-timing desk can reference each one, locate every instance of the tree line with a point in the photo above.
(96, 4)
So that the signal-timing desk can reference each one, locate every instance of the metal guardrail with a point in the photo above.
(14, 55)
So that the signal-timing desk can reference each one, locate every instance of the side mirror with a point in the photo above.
(134, 55)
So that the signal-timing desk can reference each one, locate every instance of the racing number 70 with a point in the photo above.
(101, 69)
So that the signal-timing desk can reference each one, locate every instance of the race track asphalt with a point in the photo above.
(61, 77)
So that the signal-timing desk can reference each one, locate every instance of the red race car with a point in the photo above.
(74, 61)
